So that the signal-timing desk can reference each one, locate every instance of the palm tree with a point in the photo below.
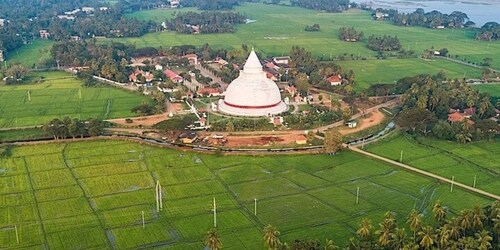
(427, 237)
(212, 240)
(330, 246)
(271, 237)
(464, 219)
(386, 229)
(415, 222)
(477, 217)
(439, 212)
(398, 239)
(443, 234)
(454, 229)
(484, 240)
(365, 229)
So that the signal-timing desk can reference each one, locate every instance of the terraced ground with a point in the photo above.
(91, 195)
(61, 94)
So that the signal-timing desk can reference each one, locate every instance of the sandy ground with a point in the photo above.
(372, 119)
(149, 120)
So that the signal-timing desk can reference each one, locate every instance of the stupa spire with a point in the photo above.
(252, 65)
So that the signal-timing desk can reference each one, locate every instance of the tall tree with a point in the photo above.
(212, 240)
(270, 236)
(332, 141)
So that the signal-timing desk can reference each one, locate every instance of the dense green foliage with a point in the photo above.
(326, 5)
(385, 43)
(350, 34)
(212, 4)
(489, 31)
(205, 22)
(62, 129)
(433, 19)
(314, 27)
(427, 103)
(85, 192)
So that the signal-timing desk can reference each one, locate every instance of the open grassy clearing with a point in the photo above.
(278, 28)
(32, 54)
(368, 72)
(61, 94)
(91, 195)
(464, 161)
(492, 89)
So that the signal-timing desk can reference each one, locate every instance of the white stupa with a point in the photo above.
(252, 93)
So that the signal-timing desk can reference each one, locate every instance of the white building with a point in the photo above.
(252, 93)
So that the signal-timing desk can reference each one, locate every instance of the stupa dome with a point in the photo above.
(252, 93)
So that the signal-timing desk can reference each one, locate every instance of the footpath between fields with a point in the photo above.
(425, 173)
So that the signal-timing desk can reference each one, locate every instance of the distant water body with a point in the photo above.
(478, 11)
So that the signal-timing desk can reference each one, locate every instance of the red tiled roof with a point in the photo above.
(334, 78)
(456, 117)
(208, 90)
(172, 74)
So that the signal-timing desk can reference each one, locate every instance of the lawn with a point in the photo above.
(60, 95)
(92, 195)
(275, 31)
(463, 161)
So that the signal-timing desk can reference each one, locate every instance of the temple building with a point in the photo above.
(252, 93)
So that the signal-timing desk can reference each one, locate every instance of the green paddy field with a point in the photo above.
(59, 95)
(90, 195)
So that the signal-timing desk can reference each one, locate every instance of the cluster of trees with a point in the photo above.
(108, 61)
(15, 73)
(489, 31)
(325, 5)
(212, 4)
(320, 116)
(427, 102)
(27, 17)
(231, 125)
(67, 127)
(314, 27)
(206, 22)
(385, 43)
(433, 19)
(476, 228)
(350, 34)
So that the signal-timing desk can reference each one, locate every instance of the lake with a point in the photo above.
(479, 11)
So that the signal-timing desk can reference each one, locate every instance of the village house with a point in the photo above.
(75, 38)
(221, 62)
(134, 77)
(174, 3)
(301, 139)
(209, 92)
(292, 90)
(173, 76)
(192, 58)
(103, 8)
(88, 9)
(272, 74)
(334, 80)
(276, 120)
(188, 137)
(2, 22)
(351, 124)
(457, 116)
(158, 67)
(284, 60)
(44, 34)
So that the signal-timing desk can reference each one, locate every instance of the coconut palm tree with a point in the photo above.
(398, 239)
(483, 240)
(439, 212)
(415, 222)
(464, 219)
(330, 246)
(443, 236)
(386, 229)
(212, 240)
(365, 229)
(426, 236)
(477, 217)
(271, 237)
(454, 229)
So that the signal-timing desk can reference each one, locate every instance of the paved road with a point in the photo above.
(422, 172)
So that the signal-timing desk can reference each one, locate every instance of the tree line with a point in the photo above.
(489, 31)
(383, 43)
(205, 22)
(325, 5)
(67, 127)
(476, 228)
(419, 17)
(426, 104)
(212, 4)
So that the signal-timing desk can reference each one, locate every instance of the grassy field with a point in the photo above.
(91, 195)
(278, 28)
(368, 72)
(31, 54)
(61, 94)
(447, 159)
